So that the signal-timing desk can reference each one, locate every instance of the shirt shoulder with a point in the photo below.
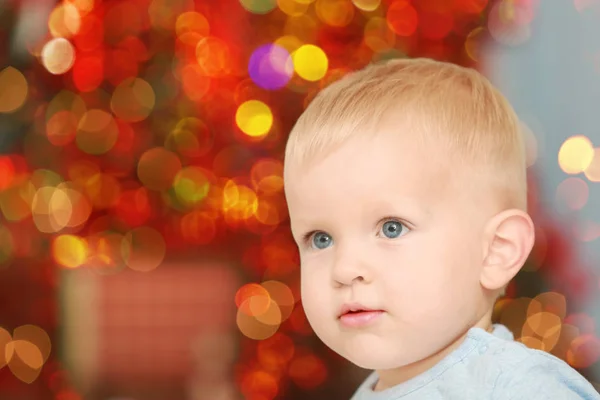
(529, 374)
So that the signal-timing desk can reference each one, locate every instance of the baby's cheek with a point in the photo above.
(313, 291)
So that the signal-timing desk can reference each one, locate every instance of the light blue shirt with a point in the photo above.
(489, 366)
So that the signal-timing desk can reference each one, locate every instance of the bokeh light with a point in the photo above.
(191, 138)
(133, 100)
(97, 132)
(367, 5)
(25, 352)
(5, 339)
(275, 352)
(402, 17)
(271, 67)
(64, 20)
(157, 168)
(337, 13)
(13, 90)
(378, 35)
(259, 6)
(62, 128)
(572, 194)
(308, 371)
(192, 22)
(254, 118)
(194, 82)
(592, 171)
(143, 249)
(310, 62)
(292, 8)
(575, 155)
(58, 56)
(69, 251)
(213, 57)
(191, 185)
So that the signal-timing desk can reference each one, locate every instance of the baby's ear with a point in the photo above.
(509, 238)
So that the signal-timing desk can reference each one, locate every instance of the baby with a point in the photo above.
(406, 188)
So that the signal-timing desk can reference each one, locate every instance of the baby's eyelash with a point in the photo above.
(394, 219)
(307, 236)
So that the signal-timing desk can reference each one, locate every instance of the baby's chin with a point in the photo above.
(374, 354)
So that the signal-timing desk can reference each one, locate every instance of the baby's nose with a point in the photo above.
(349, 268)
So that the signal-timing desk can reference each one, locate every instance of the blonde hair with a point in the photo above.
(449, 104)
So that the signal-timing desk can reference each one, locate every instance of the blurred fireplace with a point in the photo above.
(165, 334)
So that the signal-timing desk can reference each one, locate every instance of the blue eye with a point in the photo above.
(321, 240)
(393, 229)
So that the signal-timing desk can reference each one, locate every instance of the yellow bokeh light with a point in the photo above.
(13, 90)
(83, 6)
(81, 208)
(473, 43)
(367, 5)
(576, 154)
(191, 185)
(254, 118)
(239, 202)
(51, 209)
(289, 42)
(592, 172)
(310, 62)
(304, 27)
(254, 328)
(58, 56)
(292, 8)
(69, 251)
(64, 21)
(552, 302)
(545, 326)
(31, 360)
(133, 100)
(38, 336)
(281, 294)
(105, 252)
(192, 22)
(336, 13)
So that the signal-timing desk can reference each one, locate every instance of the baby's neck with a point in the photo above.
(392, 377)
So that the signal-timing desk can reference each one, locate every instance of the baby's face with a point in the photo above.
(379, 226)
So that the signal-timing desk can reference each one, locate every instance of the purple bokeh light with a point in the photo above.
(271, 67)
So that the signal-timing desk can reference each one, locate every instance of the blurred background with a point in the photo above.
(144, 244)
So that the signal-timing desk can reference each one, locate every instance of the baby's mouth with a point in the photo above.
(356, 315)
